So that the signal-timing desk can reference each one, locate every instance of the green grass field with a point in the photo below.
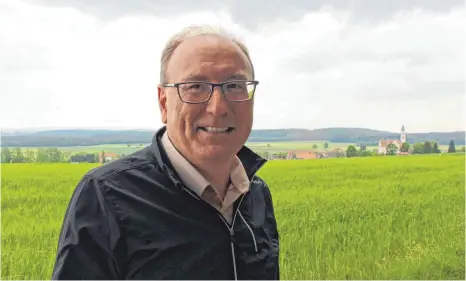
(347, 218)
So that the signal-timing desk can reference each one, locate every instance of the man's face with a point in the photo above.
(206, 59)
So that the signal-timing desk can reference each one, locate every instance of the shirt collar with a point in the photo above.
(189, 175)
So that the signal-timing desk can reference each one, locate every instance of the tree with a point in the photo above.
(326, 146)
(314, 146)
(18, 156)
(351, 151)
(391, 149)
(266, 154)
(435, 147)
(30, 156)
(6, 155)
(418, 148)
(451, 147)
(282, 155)
(42, 156)
(103, 157)
(364, 153)
(54, 155)
(362, 147)
(404, 147)
(82, 157)
(427, 147)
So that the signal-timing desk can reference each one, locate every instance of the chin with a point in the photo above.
(215, 152)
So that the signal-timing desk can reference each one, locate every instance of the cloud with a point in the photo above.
(92, 64)
(396, 60)
(253, 14)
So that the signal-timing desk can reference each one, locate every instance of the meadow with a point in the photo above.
(344, 218)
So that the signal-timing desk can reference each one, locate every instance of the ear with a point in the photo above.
(162, 103)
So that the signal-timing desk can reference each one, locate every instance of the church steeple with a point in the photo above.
(403, 134)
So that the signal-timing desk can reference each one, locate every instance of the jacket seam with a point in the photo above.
(73, 202)
(107, 176)
(111, 208)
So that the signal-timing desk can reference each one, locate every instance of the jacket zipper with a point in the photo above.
(230, 229)
(232, 235)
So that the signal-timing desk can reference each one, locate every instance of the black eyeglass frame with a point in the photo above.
(213, 85)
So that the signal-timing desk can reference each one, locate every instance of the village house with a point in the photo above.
(383, 144)
(108, 156)
(304, 155)
(335, 153)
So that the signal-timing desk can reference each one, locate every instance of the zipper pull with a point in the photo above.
(232, 235)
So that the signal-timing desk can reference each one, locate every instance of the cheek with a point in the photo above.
(175, 114)
(244, 115)
(186, 115)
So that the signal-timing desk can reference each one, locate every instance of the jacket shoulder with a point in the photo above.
(261, 185)
(136, 160)
(259, 181)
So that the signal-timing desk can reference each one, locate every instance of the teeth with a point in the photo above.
(214, 129)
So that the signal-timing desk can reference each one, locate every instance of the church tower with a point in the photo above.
(403, 134)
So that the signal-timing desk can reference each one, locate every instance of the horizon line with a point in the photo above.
(103, 128)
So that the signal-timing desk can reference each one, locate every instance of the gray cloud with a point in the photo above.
(371, 77)
(318, 71)
(398, 61)
(369, 11)
(112, 9)
(251, 14)
(319, 61)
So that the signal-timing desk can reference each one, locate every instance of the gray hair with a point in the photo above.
(196, 30)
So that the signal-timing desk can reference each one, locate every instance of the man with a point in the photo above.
(190, 205)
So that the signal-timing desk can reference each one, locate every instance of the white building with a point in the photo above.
(398, 143)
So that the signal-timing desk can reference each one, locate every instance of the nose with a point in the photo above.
(217, 104)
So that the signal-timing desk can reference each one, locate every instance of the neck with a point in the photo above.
(218, 174)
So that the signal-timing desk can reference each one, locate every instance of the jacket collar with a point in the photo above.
(251, 161)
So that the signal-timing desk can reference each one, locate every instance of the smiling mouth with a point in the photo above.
(216, 129)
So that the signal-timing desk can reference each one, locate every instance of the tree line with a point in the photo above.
(427, 147)
(55, 155)
(45, 155)
(360, 150)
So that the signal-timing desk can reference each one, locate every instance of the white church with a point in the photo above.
(384, 143)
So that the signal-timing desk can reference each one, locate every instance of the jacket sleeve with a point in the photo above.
(88, 236)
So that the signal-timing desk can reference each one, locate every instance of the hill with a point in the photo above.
(60, 138)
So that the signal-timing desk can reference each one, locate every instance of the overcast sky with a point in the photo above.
(371, 64)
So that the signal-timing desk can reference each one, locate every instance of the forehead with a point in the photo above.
(208, 58)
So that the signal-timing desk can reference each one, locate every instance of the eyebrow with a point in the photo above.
(237, 77)
(194, 77)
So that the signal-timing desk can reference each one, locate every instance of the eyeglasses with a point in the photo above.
(200, 92)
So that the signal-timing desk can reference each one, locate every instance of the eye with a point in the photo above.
(234, 86)
(194, 86)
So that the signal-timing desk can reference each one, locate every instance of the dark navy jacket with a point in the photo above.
(133, 218)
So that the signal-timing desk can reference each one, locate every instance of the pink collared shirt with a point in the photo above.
(195, 181)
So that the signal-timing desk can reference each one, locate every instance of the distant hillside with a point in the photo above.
(59, 138)
(351, 135)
